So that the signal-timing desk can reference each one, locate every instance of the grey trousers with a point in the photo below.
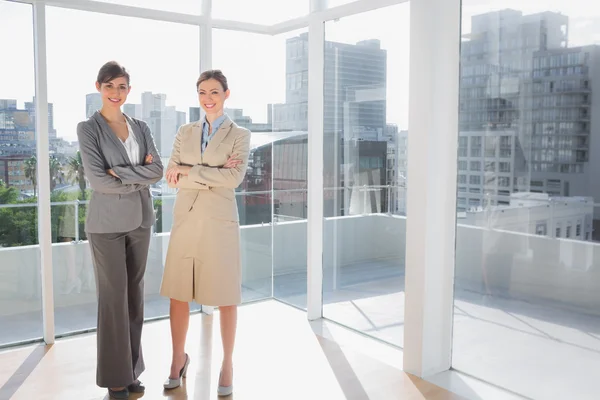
(119, 264)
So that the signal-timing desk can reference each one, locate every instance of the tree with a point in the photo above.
(8, 195)
(55, 172)
(31, 172)
(76, 173)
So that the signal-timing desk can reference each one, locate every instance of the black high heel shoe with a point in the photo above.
(136, 387)
(118, 394)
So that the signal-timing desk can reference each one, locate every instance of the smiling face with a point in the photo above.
(114, 93)
(212, 96)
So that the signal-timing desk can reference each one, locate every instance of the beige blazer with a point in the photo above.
(206, 173)
(203, 259)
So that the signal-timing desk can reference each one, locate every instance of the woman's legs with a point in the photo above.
(179, 314)
(228, 329)
(114, 368)
(137, 245)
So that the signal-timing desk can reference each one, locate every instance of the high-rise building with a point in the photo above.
(30, 107)
(93, 102)
(152, 102)
(237, 116)
(133, 110)
(355, 89)
(17, 143)
(527, 114)
(163, 120)
(194, 114)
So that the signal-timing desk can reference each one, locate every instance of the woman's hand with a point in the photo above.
(112, 173)
(148, 159)
(173, 173)
(232, 162)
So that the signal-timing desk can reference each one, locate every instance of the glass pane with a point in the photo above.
(266, 12)
(180, 6)
(162, 94)
(527, 290)
(20, 290)
(263, 110)
(248, 106)
(365, 122)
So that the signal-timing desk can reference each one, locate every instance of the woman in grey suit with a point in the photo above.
(120, 161)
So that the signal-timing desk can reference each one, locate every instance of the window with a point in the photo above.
(503, 181)
(279, 168)
(540, 229)
(490, 146)
(462, 165)
(21, 311)
(476, 146)
(525, 91)
(475, 180)
(163, 101)
(505, 153)
(366, 88)
(475, 165)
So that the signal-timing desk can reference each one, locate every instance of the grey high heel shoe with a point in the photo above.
(175, 383)
(223, 391)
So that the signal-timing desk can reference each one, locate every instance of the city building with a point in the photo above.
(17, 143)
(520, 76)
(93, 103)
(237, 116)
(355, 89)
(537, 214)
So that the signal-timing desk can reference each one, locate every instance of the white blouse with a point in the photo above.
(132, 147)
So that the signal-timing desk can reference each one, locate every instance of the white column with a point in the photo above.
(206, 37)
(432, 159)
(206, 64)
(43, 169)
(318, 5)
(316, 62)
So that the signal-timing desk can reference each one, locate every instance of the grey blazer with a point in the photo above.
(117, 205)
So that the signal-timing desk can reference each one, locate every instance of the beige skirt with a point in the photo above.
(203, 259)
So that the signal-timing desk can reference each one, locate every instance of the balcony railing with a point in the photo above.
(358, 250)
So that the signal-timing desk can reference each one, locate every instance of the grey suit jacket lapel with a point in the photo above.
(107, 130)
(137, 132)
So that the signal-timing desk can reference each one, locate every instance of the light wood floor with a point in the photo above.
(279, 355)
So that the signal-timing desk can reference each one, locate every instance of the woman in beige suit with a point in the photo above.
(203, 259)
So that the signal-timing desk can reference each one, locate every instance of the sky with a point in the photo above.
(163, 57)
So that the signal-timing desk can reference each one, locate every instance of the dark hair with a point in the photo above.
(215, 74)
(112, 70)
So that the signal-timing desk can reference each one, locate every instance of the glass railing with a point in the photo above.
(495, 257)
(527, 293)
